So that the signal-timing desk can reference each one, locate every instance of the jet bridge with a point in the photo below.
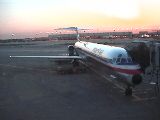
(155, 65)
(147, 54)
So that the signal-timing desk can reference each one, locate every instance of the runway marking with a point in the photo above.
(135, 97)
(120, 87)
(117, 85)
(142, 92)
(144, 99)
(148, 89)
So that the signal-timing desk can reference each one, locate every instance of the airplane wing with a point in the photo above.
(52, 57)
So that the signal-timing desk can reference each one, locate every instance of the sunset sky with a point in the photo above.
(25, 18)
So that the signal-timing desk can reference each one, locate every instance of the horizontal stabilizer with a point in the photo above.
(71, 28)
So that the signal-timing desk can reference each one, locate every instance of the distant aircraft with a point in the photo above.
(115, 60)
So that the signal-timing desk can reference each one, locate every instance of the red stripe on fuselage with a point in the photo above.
(127, 71)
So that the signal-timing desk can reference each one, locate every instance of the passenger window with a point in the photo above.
(123, 60)
(118, 60)
(110, 60)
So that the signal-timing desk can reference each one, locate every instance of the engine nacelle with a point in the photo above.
(71, 50)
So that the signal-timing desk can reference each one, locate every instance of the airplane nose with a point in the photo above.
(136, 79)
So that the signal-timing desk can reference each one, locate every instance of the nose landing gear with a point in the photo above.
(128, 91)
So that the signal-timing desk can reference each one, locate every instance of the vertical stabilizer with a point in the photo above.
(77, 33)
(76, 29)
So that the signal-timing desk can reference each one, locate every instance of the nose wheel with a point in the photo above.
(128, 91)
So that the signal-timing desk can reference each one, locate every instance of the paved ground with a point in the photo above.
(33, 89)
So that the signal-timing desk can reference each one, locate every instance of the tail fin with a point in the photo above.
(76, 29)
(77, 34)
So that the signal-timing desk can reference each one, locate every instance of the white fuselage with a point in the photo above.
(115, 58)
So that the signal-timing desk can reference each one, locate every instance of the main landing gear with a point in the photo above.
(75, 63)
(128, 91)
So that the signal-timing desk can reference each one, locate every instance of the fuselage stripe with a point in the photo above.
(127, 71)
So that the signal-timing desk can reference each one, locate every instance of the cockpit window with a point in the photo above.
(123, 60)
(120, 55)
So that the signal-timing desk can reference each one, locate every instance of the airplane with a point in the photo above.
(116, 61)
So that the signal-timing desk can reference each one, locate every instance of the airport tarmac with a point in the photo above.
(41, 89)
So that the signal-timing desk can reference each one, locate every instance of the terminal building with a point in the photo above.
(104, 35)
(146, 34)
